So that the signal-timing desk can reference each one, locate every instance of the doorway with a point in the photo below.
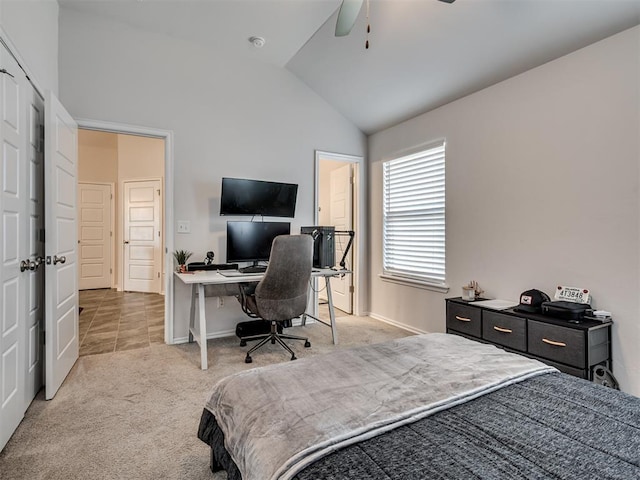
(338, 204)
(122, 240)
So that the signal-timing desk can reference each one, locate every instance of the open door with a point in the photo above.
(61, 277)
(13, 246)
(341, 216)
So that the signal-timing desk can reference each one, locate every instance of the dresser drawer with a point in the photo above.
(464, 319)
(564, 345)
(505, 330)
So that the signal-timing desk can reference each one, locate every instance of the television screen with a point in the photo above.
(257, 197)
(251, 241)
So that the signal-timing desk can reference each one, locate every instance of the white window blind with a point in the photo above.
(413, 218)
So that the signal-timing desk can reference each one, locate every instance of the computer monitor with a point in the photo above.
(242, 196)
(251, 241)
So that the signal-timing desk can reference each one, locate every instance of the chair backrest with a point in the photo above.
(282, 292)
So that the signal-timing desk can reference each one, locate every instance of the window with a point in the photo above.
(413, 216)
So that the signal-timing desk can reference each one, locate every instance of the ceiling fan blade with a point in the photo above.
(448, 1)
(347, 16)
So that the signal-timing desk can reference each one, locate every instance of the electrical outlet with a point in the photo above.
(220, 302)
(184, 226)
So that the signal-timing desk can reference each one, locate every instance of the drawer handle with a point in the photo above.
(463, 319)
(503, 330)
(556, 344)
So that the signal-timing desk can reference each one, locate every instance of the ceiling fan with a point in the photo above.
(349, 13)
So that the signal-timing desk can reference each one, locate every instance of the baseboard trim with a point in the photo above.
(404, 326)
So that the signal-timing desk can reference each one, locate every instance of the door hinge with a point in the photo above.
(41, 146)
(44, 337)
(111, 270)
(158, 192)
(351, 289)
(158, 233)
(111, 196)
(158, 274)
(111, 234)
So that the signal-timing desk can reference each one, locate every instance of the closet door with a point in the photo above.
(35, 286)
(61, 272)
(14, 245)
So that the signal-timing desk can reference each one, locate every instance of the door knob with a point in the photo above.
(126, 242)
(59, 259)
(28, 265)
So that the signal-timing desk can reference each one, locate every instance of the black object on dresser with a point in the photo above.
(574, 348)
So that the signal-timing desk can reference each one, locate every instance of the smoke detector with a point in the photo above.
(257, 42)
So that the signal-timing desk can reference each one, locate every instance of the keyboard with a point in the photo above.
(253, 269)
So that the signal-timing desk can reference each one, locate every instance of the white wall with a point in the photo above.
(229, 118)
(32, 28)
(542, 190)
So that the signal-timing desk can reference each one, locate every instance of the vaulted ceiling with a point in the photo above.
(423, 53)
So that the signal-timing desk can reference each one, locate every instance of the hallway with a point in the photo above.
(113, 321)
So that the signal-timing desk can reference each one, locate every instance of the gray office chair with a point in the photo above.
(282, 293)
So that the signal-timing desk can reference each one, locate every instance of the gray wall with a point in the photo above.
(229, 118)
(542, 190)
(32, 27)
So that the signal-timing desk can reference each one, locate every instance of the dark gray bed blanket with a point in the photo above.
(550, 426)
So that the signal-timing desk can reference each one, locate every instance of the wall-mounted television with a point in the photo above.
(257, 197)
(251, 241)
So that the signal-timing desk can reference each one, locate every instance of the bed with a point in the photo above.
(424, 406)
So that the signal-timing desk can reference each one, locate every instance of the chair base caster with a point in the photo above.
(293, 357)
(243, 343)
(307, 344)
(248, 359)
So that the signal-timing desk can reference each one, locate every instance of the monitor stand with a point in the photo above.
(255, 268)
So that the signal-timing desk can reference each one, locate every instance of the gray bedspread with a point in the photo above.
(548, 427)
(277, 420)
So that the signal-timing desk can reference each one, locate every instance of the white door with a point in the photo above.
(35, 291)
(142, 236)
(61, 277)
(94, 235)
(341, 216)
(14, 248)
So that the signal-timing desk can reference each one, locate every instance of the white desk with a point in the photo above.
(199, 279)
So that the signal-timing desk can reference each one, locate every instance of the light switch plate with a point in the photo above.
(184, 226)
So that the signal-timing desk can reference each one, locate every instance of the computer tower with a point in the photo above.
(324, 245)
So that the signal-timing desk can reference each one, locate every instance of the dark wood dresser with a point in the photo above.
(573, 348)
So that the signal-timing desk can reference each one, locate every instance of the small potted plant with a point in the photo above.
(181, 257)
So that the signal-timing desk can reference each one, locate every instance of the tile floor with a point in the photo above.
(112, 320)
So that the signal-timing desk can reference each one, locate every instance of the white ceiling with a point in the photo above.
(423, 53)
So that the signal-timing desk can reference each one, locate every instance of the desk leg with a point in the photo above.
(332, 313)
(203, 328)
(192, 313)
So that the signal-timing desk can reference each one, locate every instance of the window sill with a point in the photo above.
(414, 283)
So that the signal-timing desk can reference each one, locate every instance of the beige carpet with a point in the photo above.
(134, 414)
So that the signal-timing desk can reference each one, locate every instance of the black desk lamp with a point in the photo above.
(351, 234)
